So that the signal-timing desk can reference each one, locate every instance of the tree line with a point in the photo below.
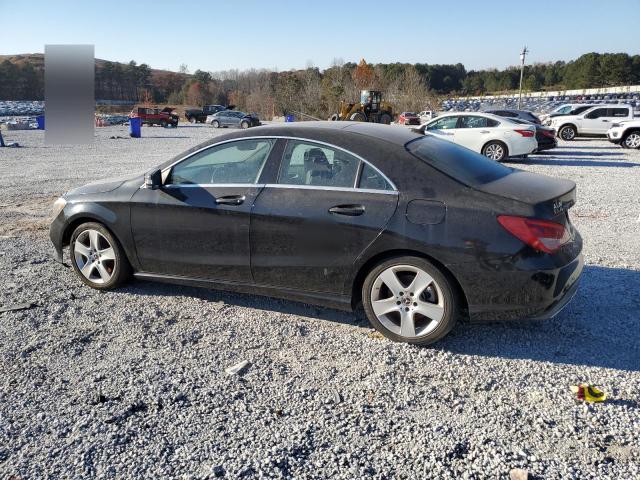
(318, 93)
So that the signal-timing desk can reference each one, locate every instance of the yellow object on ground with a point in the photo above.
(589, 393)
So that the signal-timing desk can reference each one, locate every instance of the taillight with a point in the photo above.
(549, 133)
(525, 133)
(542, 235)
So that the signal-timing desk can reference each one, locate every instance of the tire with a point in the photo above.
(388, 289)
(567, 133)
(98, 258)
(193, 120)
(163, 123)
(358, 117)
(244, 124)
(631, 140)
(215, 124)
(496, 151)
(334, 117)
(385, 119)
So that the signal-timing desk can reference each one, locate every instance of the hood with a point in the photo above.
(168, 109)
(101, 186)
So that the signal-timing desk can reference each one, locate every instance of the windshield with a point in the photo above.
(458, 162)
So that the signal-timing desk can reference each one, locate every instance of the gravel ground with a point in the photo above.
(132, 383)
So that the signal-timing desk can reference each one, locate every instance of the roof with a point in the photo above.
(348, 135)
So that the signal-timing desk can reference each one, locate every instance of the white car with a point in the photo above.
(626, 134)
(566, 109)
(427, 115)
(492, 136)
(592, 122)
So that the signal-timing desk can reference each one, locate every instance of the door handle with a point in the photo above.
(484, 131)
(349, 210)
(605, 120)
(230, 200)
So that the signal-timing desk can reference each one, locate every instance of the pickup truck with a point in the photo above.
(593, 122)
(626, 133)
(155, 116)
(200, 115)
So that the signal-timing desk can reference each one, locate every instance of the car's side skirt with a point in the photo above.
(329, 300)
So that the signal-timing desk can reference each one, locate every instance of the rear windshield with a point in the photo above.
(458, 162)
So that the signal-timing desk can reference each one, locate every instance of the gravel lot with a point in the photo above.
(132, 383)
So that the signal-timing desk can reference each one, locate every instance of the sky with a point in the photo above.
(286, 34)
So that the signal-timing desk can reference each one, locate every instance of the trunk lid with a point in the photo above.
(549, 197)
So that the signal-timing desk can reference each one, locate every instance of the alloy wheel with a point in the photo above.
(632, 140)
(494, 151)
(568, 133)
(94, 256)
(407, 301)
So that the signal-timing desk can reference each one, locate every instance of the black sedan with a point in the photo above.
(233, 118)
(545, 136)
(419, 230)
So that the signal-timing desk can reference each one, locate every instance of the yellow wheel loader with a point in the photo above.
(371, 108)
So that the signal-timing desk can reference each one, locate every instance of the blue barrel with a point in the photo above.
(134, 127)
(289, 118)
(40, 120)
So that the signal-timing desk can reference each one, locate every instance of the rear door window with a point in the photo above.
(372, 179)
(618, 112)
(597, 113)
(473, 122)
(308, 163)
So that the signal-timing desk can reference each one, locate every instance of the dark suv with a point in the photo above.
(521, 114)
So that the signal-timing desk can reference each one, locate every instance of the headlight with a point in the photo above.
(58, 206)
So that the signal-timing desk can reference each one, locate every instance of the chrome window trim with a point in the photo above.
(216, 185)
(285, 137)
(337, 189)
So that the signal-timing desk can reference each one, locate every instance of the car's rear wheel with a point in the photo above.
(567, 133)
(408, 299)
(193, 119)
(215, 124)
(632, 139)
(495, 151)
(163, 123)
(97, 257)
(244, 124)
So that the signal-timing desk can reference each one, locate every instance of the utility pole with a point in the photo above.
(522, 57)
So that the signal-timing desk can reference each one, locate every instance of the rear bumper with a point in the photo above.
(521, 295)
(523, 147)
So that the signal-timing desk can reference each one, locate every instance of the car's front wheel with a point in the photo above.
(244, 124)
(632, 139)
(193, 119)
(567, 133)
(495, 151)
(408, 299)
(163, 123)
(215, 124)
(97, 257)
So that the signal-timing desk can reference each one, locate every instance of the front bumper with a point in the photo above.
(56, 233)
(614, 137)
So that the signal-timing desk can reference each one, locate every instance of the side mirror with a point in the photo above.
(153, 179)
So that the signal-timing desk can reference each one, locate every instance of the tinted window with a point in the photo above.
(464, 165)
(444, 123)
(473, 122)
(236, 162)
(306, 163)
(618, 112)
(580, 110)
(597, 113)
(566, 109)
(372, 179)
